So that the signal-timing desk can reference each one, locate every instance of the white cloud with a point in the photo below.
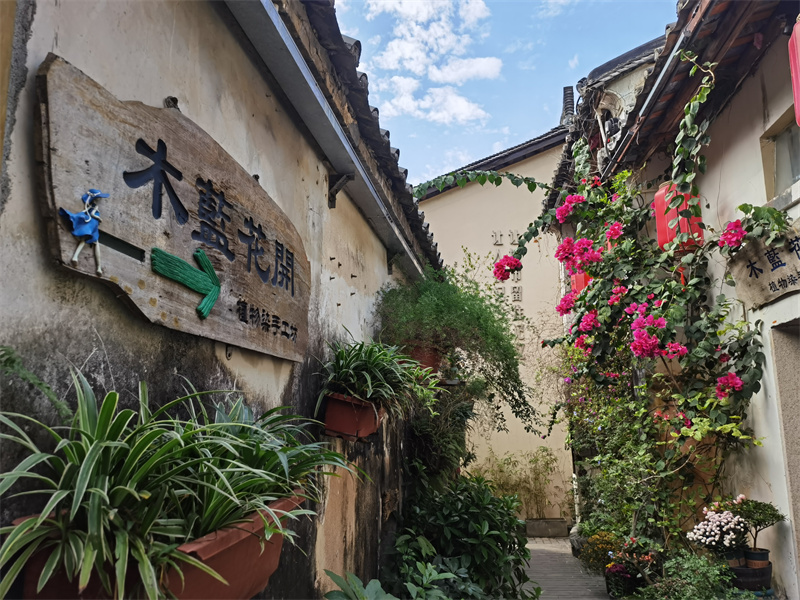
(442, 105)
(573, 62)
(430, 37)
(497, 147)
(452, 159)
(552, 8)
(446, 106)
(374, 40)
(408, 10)
(519, 45)
(459, 70)
(472, 11)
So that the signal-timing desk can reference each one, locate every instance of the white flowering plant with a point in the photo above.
(720, 531)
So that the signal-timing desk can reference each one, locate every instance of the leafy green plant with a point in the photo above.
(352, 588)
(438, 445)
(689, 576)
(759, 516)
(469, 523)
(378, 373)
(456, 312)
(123, 489)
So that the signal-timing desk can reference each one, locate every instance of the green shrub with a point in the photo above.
(467, 522)
(528, 475)
(457, 312)
(688, 576)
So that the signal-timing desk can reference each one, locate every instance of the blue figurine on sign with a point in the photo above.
(85, 225)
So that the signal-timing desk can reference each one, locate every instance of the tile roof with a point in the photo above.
(361, 121)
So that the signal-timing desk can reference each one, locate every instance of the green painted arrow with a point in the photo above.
(203, 280)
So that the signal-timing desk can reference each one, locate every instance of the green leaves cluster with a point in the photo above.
(455, 312)
(378, 373)
(123, 489)
(469, 531)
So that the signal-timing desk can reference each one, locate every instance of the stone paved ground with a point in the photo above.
(560, 574)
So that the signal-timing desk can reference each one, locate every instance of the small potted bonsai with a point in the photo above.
(759, 516)
(365, 380)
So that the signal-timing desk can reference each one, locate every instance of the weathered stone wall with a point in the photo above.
(147, 51)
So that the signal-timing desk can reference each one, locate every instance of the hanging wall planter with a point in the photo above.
(351, 418)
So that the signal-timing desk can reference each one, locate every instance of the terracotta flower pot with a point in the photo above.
(234, 552)
(351, 418)
(428, 357)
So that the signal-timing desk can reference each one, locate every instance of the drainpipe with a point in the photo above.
(264, 28)
(686, 36)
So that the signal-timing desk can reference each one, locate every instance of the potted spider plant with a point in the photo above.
(364, 381)
(143, 504)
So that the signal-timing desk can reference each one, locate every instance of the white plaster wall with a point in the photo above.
(147, 51)
(735, 176)
(467, 217)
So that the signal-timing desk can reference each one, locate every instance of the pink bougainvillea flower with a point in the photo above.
(727, 383)
(577, 255)
(645, 345)
(565, 210)
(733, 235)
(614, 231)
(674, 350)
(617, 294)
(582, 344)
(650, 296)
(567, 302)
(632, 308)
(614, 197)
(723, 358)
(658, 303)
(589, 321)
(504, 267)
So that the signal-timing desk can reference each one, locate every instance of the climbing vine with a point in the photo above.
(658, 371)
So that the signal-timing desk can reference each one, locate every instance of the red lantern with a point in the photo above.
(794, 67)
(665, 233)
(579, 282)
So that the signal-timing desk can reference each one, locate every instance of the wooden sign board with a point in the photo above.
(765, 273)
(173, 191)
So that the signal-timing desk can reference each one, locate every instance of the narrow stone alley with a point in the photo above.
(560, 575)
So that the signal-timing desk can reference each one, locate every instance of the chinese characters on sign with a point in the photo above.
(515, 292)
(259, 317)
(211, 207)
(763, 274)
(178, 195)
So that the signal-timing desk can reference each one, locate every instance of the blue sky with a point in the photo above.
(458, 80)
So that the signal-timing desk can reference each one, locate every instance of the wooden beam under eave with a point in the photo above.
(734, 21)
